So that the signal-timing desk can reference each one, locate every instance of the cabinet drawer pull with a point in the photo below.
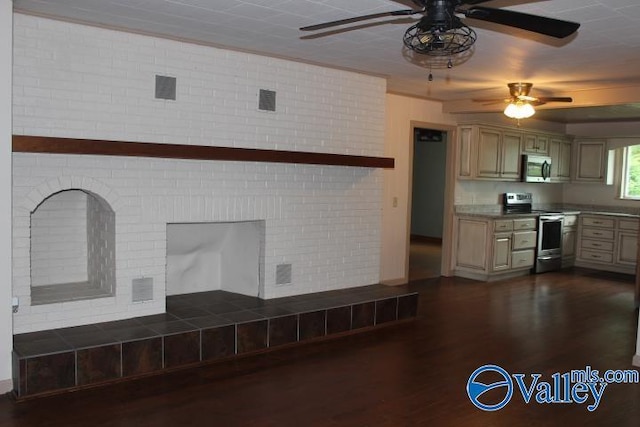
(597, 222)
(596, 256)
(597, 245)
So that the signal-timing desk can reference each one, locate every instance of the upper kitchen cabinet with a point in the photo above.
(535, 144)
(590, 161)
(486, 152)
(560, 153)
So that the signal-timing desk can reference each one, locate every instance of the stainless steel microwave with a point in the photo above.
(536, 168)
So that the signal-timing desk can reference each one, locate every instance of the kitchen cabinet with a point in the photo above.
(490, 248)
(560, 153)
(472, 235)
(501, 252)
(627, 250)
(607, 242)
(569, 234)
(590, 161)
(486, 152)
(535, 144)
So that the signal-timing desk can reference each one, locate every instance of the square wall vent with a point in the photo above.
(142, 289)
(267, 101)
(283, 274)
(166, 88)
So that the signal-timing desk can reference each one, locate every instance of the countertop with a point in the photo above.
(495, 211)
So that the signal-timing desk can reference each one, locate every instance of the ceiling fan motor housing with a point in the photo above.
(519, 89)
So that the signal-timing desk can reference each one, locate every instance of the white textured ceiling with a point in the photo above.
(598, 66)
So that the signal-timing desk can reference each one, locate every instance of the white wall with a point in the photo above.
(78, 81)
(6, 336)
(471, 192)
(427, 198)
(402, 111)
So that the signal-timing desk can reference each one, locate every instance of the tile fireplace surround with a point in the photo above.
(197, 328)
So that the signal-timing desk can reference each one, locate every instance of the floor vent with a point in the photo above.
(166, 88)
(283, 274)
(267, 101)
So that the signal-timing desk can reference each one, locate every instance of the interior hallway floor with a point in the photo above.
(412, 374)
(424, 259)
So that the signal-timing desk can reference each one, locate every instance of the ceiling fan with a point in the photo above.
(520, 104)
(440, 32)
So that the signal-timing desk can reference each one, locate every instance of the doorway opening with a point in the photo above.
(427, 202)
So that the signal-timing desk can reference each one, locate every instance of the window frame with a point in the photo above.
(624, 173)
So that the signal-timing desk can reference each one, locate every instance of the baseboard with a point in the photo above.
(6, 386)
(395, 282)
(636, 360)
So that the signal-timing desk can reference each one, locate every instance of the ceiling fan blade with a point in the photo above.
(538, 24)
(555, 99)
(324, 25)
(491, 101)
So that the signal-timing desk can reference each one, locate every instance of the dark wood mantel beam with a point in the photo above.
(54, 145)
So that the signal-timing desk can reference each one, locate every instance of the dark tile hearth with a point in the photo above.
(196, 328)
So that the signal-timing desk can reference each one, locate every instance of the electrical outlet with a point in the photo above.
(15, 303)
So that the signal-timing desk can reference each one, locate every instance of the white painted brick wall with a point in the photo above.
(59, 240)
(88, 82)
(101, 244)
(77, 81)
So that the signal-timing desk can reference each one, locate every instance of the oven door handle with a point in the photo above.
(547, 258)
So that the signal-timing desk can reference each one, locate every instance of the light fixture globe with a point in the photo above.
(519, 110)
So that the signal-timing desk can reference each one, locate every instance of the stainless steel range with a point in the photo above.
(549, 248)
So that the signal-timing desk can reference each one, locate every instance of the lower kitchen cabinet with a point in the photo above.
(501, 252)
(607, 243)
(489, 249)
(569, 236)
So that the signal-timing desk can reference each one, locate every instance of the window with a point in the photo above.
(631, 173)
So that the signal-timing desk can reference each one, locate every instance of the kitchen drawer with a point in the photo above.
(628, 224)
(598, 245)
(523, 259)
(597, 233)
(597, 256)
(525, 224)
(589, 221)
(524, 239)
(570, 220)
(503, 225)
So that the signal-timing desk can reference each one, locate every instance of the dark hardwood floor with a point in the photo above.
(405, 375)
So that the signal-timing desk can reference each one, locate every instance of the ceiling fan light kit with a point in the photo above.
(439, 43)
(519, 110)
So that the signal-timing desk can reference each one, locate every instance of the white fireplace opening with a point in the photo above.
(211, 256)
(72, 248)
